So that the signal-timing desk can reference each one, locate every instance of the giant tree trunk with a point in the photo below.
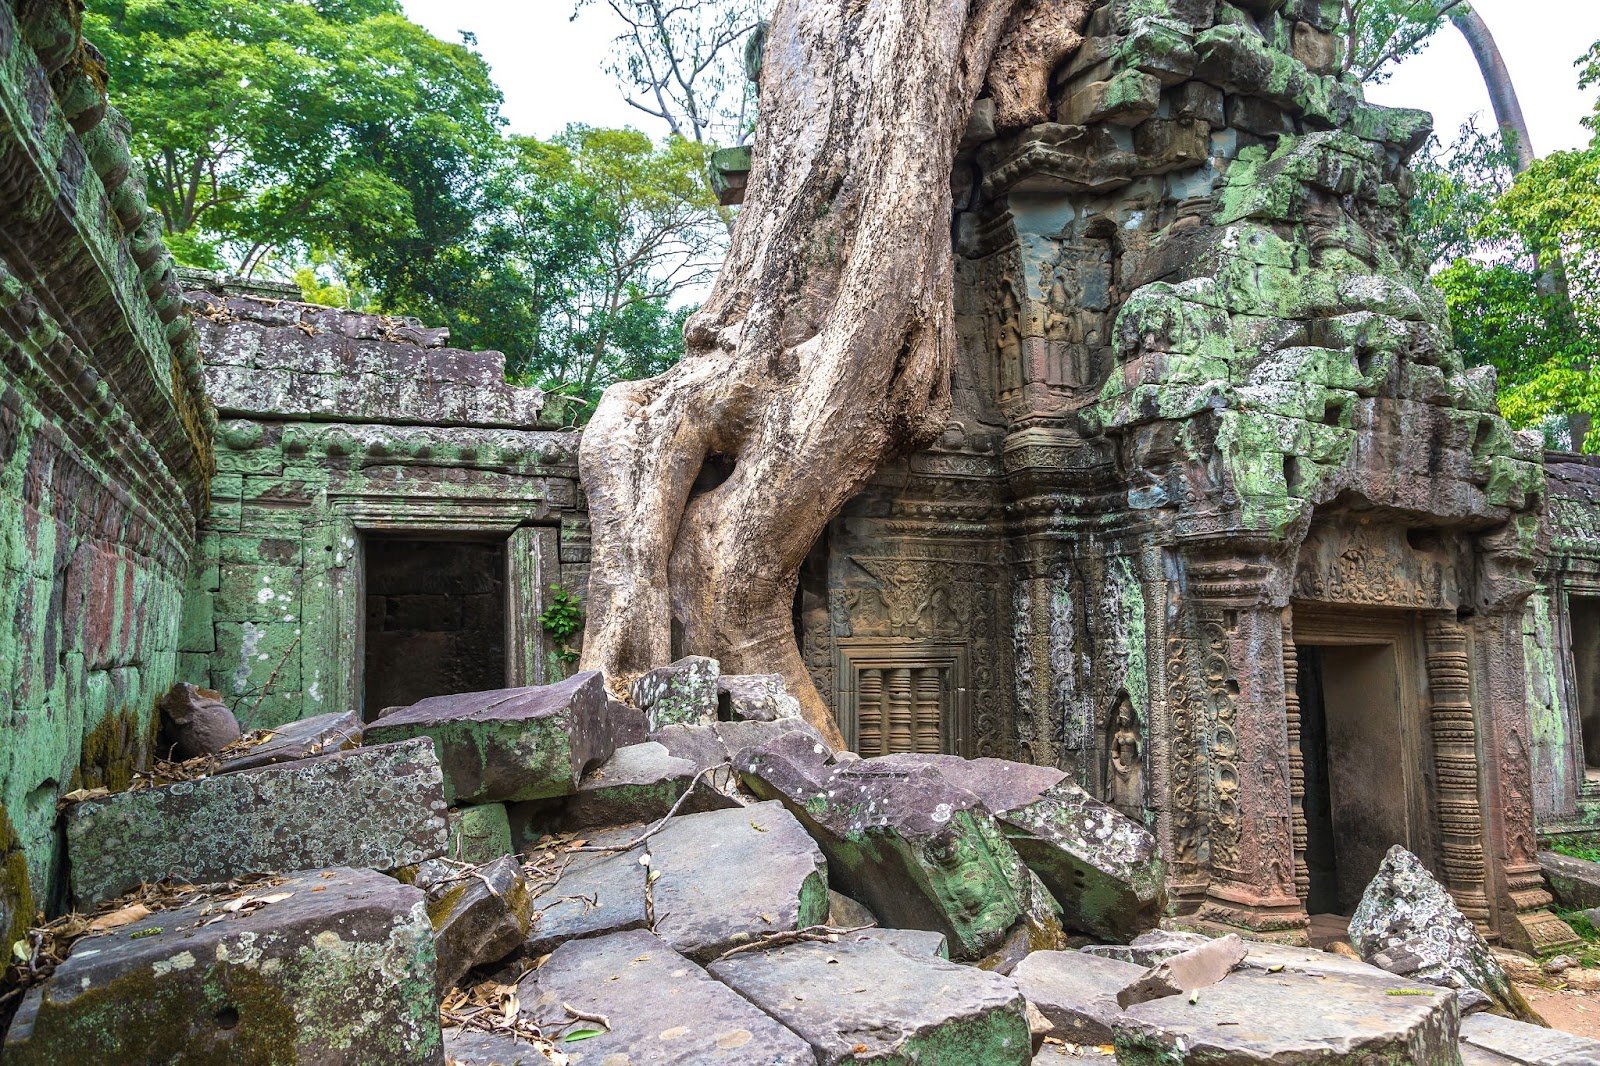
(1514, 128)
(825, 347)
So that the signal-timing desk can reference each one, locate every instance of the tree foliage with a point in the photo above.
(268, 124)
(1487, 231)
(1381, 34)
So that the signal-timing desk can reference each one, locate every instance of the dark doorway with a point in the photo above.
(1355, 795)
(1584, 615)
(436, 619)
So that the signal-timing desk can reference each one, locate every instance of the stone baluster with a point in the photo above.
(1455, 760)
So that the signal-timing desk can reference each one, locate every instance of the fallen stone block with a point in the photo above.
(474, 1047)
(639, 783)
(919, 852)
(1099, 864)
(305, 739)
(714, 746)
(479, 834)
(661, 1008)
(1076, 992)
(865, 1001)
(1147, 949)
(725, 878)
(1293, 1019)
(1527, 1045)
(480, 915)
(684, 693)
(1407, 924)
(332, 966)
(510, 744)
(1188, 971)
(754, 698)
(596, 894)
(194, 721)
(846, 913)
(379, 807)
(1574, 882)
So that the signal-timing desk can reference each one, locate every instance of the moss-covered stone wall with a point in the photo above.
(104, 447)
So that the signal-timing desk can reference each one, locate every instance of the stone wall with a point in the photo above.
(1561, 651)
(336, 426)
(104, 447)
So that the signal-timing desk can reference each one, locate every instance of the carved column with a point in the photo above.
(1456, 771)
(1241, 643)
(1297, 758)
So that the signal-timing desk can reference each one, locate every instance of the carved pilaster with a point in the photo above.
(1455, 760)
(1297, 759)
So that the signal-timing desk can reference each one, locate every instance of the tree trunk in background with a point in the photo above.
(825, 347)
(1514, 127)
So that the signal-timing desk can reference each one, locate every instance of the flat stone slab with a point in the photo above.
(473, 1047)
(865, 1001)
(910, 941)
(329, 966)
(597, 894)
(662, 1008)
(638, 783)
(1525, 1044)
(510, 745)
(1574, 882)
(724, 878)
(1290, 1018)
(1076, 992)
(305, 739)
(380, 807)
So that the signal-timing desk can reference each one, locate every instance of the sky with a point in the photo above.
(550, 66)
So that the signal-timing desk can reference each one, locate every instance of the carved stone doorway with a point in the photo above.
(1362, 697)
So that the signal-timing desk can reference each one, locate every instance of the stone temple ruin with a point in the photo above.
(1226, 601)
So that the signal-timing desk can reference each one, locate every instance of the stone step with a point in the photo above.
(865, 1001)
(321, 967)
(381, 807)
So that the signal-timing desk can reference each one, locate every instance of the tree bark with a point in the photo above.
(823, 351)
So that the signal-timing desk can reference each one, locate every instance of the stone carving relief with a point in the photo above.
(1372, 565)
(1124, 771)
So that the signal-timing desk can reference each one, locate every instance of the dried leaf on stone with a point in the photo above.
(119, 917)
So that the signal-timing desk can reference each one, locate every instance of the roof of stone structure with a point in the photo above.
(284, 359)
(83, 256)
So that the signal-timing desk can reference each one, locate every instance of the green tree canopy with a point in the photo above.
(267, 124)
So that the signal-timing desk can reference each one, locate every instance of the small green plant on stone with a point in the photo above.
(562, 619)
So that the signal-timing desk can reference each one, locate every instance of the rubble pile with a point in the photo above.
(551, 875)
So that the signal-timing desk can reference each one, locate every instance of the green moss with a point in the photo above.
(16, 890)
(114, 749)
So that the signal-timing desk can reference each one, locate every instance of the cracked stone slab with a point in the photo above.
(380, 807)
(1076, 992)
(865, 1001)
(303, 739)
(510, 745)
(663, 1009)
(1525, 1044)
(1289, 1019)
(1101, 866)
(917, 851)
(596, 894)
(336, 966)
(724, 878)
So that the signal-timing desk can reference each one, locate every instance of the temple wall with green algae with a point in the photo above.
(104, 447)
(337, 426)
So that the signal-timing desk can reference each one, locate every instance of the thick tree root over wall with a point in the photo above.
(825, 347)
